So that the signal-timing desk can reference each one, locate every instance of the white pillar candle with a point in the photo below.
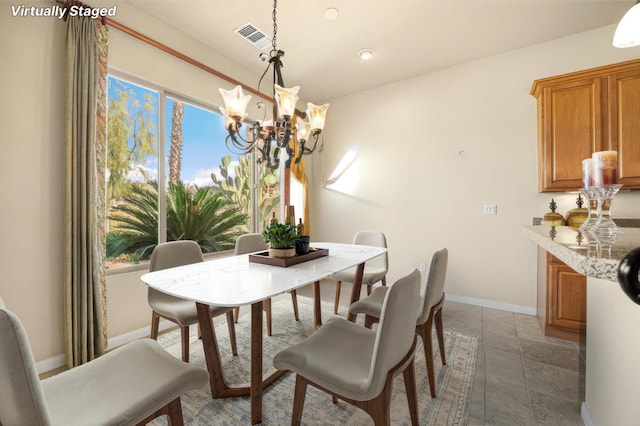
(604, 168)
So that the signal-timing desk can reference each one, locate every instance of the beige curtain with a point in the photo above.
(85, 157)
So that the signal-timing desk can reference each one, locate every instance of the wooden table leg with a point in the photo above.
(211, 351)
(355, 290)
(255, 394)
(317, 313)
(258, 382)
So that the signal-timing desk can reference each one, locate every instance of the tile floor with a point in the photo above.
(522, 377)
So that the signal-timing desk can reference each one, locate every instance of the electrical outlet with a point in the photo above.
(490, 209)
(423, 267)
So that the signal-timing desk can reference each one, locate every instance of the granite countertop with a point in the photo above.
(568, 245)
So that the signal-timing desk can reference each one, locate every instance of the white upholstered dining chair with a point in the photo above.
(251, 243)
(132, 384)
(430, 312)
(374, 270)
(357, 364)
(181, 311)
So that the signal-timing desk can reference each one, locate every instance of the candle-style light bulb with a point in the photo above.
(235, 103)
(317, 115)
(303, 129)
(286, 99)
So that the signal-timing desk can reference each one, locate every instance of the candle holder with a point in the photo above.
(601, 249)
(591, 196)
(605, 228)
(593, 246)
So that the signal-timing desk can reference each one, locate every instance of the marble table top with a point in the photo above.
(234, 281)
(568, 245)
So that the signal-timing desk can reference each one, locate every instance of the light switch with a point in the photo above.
(490, 209)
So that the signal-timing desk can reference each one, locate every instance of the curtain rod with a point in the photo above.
(169, 50)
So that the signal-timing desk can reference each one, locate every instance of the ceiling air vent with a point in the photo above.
(253, 35)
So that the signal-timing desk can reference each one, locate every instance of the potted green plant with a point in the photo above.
(282, 239)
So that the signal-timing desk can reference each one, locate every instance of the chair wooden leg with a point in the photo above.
(266, 305)
(379, 408)
(236, 314)
(424, 331)
(175, 413)
(411, 389)
(440, 333)
(384, 281)
(232, 333)
(369, 286)
(298, 400)
(369, 321)
(172, 410)
(294, 300)
(184, 337)
(337, 300)
(155, 324)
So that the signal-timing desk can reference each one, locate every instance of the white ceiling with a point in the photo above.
(410, 37)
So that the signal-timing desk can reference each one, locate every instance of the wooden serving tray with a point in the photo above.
(263, 257)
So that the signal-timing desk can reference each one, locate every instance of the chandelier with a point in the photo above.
(287, 130)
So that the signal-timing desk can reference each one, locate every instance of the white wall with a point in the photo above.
(32, 175)
(433, 149)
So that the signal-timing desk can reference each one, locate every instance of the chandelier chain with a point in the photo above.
(275, 26)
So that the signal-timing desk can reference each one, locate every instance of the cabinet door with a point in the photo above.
(624, 127)
(572, 128)
(567, 297)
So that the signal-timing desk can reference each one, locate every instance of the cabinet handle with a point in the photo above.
(628, 275)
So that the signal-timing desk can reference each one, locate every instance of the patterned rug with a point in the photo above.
(453, 381)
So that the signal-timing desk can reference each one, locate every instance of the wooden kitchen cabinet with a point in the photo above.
(564, 314)
(624, 124)
(584, 112)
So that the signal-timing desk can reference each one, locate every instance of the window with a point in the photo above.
(199, 190)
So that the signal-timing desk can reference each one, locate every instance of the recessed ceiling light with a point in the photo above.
(366, 54)
(331, 13)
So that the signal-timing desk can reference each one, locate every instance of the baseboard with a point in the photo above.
(140, 333)
(50, 364)
(59, 360)
(586, 417)
(527, 310)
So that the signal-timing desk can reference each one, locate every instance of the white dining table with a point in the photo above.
(235, 281)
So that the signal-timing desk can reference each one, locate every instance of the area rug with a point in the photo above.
(454, 381)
